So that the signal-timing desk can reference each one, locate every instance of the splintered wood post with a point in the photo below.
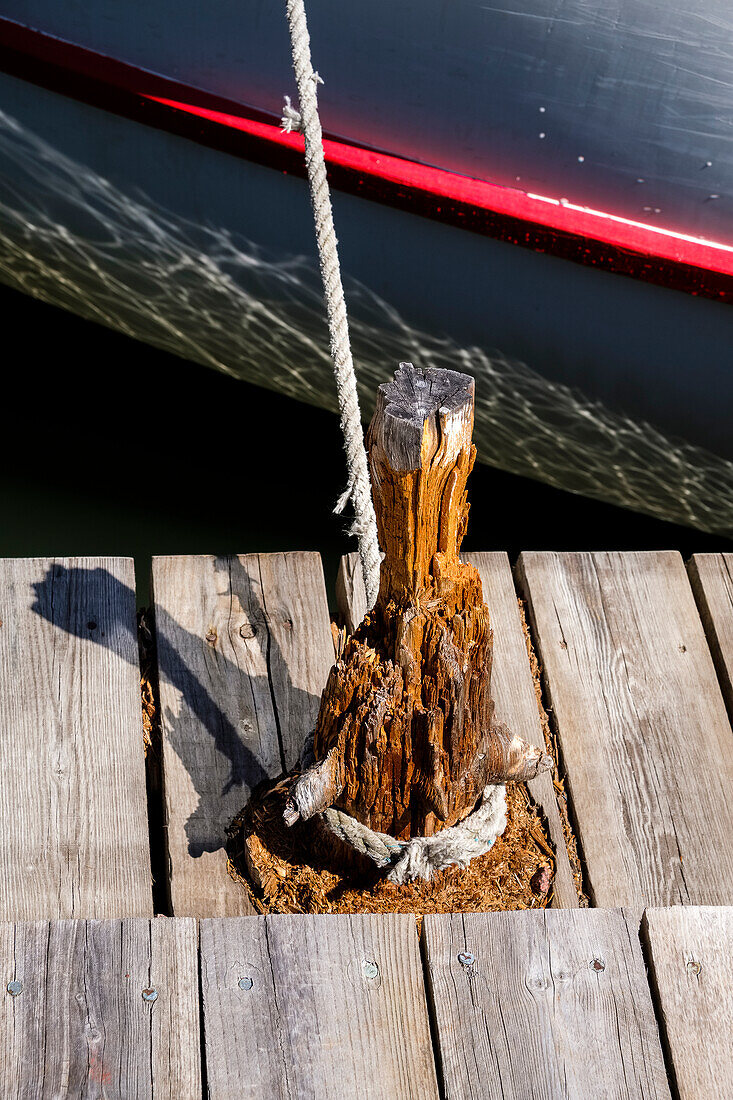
(406, 738)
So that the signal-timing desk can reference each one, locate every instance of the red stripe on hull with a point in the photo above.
(592, 237)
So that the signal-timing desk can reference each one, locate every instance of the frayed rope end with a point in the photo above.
(291, 121)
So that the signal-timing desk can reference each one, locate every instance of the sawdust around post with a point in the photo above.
(298, 871)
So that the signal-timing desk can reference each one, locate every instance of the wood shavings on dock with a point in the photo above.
(282, 873)
(146, 653)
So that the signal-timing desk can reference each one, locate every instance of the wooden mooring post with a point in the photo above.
(406, 738)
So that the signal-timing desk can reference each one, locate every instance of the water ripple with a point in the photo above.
(69, 237)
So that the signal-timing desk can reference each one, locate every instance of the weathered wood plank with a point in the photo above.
(73, 811)
(244, 649)
(512, 685)
(691, 956)
(556, 1004)
(350, 591)
(711, 577)
(80, 1025)
(642, 725)
(516, 702)
(336, 1008)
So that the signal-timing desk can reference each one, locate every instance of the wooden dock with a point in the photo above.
(103, 998)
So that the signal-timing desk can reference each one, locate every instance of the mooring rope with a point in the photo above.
(419, 857)
(307, 121)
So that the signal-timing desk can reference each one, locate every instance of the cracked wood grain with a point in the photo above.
(244, 648)
(641, 722)
(73, 811)
(80, 1027)
(326, 1007)
(555, 1004)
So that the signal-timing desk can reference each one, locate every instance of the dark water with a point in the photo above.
(112, 447)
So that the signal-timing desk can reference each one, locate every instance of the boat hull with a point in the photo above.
(596, 383)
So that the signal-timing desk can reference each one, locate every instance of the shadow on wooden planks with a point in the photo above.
(246, 768)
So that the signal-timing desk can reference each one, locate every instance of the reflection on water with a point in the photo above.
(71, 238)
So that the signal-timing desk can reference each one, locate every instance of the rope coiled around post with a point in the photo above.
(307, 121)
(420, 857)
